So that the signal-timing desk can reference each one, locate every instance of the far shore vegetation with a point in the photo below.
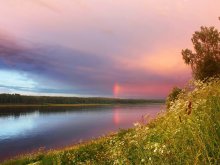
(17, 100)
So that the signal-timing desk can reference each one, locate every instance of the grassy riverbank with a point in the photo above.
(186, 133)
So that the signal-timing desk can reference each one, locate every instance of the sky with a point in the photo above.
(107, 48)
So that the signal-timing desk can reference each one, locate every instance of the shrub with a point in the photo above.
(173, 96)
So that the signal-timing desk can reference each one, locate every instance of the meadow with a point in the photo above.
(188, 132)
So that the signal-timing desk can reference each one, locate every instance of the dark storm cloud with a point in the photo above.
(56, 63)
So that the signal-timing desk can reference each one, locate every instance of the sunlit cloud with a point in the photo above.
(47, 4)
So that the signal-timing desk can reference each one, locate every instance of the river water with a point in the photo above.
(25, 130)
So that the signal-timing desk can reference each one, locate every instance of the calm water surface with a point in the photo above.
(26, 130)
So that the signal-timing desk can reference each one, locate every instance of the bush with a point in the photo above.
(173, 96)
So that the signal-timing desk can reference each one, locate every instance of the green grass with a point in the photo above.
(186, 133)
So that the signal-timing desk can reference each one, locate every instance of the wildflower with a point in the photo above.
(161, 150)
(146, 128)
(137, 124)
(156, 144)
(189, 108)
(180, 119)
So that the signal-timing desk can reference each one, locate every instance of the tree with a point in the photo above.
(205, 61)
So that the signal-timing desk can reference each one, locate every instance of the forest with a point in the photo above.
(22, 99)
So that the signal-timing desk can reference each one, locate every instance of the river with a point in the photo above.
(28, 129)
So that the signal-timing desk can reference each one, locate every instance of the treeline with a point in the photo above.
(22, 99)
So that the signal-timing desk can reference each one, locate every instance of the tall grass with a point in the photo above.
(186, 133)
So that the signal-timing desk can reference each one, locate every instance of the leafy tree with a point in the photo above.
(205, 61)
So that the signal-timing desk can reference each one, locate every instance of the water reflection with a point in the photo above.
(17, 125)
(24, 130)
(116, 118)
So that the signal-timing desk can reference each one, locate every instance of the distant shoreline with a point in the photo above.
(17, 100)
(49, 105)
(72, 105)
